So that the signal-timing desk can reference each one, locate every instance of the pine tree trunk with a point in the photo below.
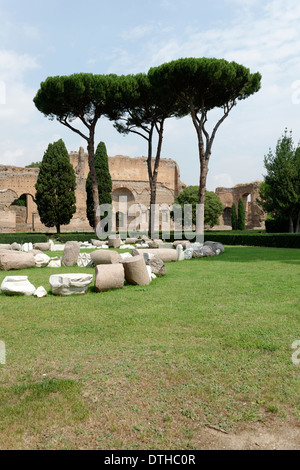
(151, 227)
(201, 198)
(204, 155)
(297, 228)
(57, 229)
(291, 224)
(150, 176)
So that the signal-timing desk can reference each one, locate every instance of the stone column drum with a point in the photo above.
(136, 272)
(70, 253)
(109, 276)
(105, 257)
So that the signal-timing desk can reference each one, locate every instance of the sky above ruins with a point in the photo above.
(40, 39)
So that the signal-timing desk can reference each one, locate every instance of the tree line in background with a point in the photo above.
(141, 104)
(56, 184)
(280, 191)
(189, 197)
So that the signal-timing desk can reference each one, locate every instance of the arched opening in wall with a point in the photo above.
(119, 195)
(227, 216)
(122, 199)
(21, 201)
(24, 207)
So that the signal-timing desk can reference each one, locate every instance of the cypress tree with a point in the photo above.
(233, 217)
(104, 183)
(55, 187)
(241, 216)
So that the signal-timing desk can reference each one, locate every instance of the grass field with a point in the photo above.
(149, 367)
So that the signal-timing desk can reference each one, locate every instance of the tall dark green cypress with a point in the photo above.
(233, 217)
(241, 215)
(55, 187)
(104, 183)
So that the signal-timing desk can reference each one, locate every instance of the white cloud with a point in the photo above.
(137, 32)
(119, 149)
(264, 36)
(222, 180)
(13, 66)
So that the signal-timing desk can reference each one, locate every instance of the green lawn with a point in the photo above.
(149, 367)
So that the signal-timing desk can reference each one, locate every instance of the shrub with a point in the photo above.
(233, 217)
(241, 216)
(76, 237)
(104, 183)
(275, 240)
(20, 237)
(246, 238)
(55, 187)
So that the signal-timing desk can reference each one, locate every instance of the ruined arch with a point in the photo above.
(129, 176)
(121, 196)
(248, 192)
(227, 215)
(24, 213)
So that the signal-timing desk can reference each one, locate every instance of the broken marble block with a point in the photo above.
(42, 246)
(54, 262)
(215, 246)
(136, 272)
(179, 250)
(84, 260)
(26, 247)
(40, 292)
(114, 242)
(188, 253)
(41, 260)
(5, 246)
(68, 284)
(17, 285)
(70, 253)
(15, 246)
(205, 250)
(149, 272)
(157, 266)
(165, 254)
(10, 259)
(124, 256)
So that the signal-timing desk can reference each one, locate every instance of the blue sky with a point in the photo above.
(39, 39)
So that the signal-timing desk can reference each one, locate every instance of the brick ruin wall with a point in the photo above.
(249, 192)
(129, 176)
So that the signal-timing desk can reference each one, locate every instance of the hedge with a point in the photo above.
(275, 240)
(75, 237)
(278, 240)
(22, 237)
(246, 238)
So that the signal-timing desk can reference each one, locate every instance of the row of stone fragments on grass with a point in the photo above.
(114, 241)
(133, 270)
(13, 259)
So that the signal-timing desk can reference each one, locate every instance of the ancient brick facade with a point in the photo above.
(254, 216)
(129, 175)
